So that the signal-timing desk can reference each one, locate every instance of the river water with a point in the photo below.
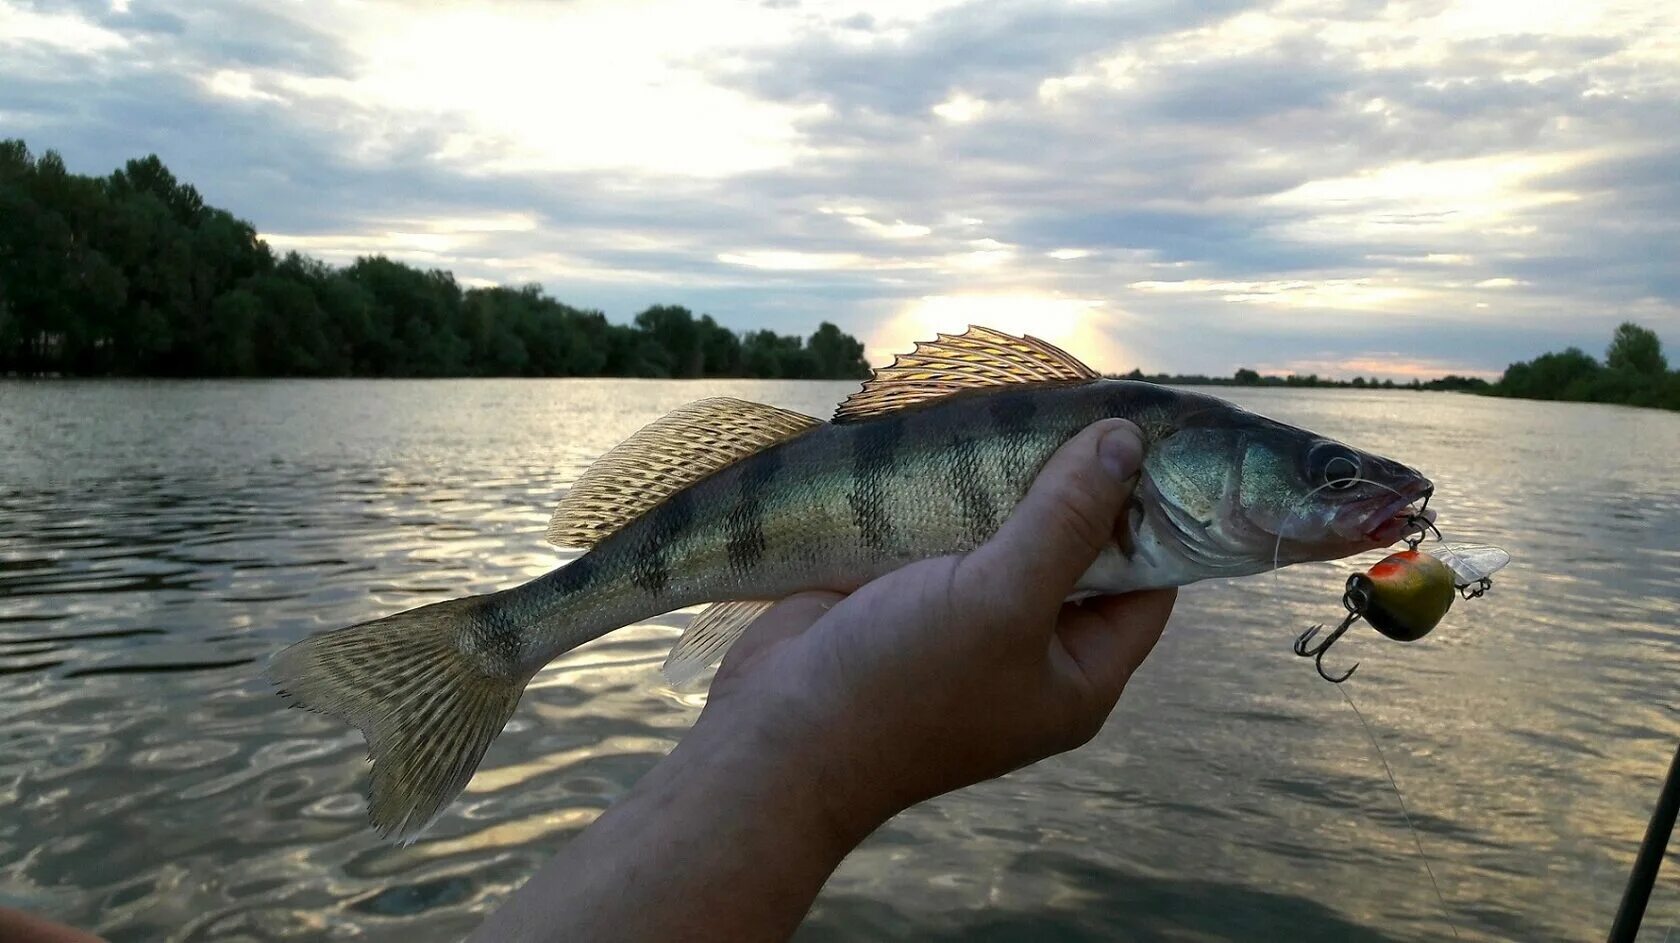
(158, 540)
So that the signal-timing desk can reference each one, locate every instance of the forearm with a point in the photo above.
(722, 840)
(17, 925)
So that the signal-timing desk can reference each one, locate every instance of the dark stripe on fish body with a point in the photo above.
(574, 576)
(1014, 412)
(497, 631)
(649, 569)
(874, 458)
(745, 524)
(1139, 401)
(978, 515)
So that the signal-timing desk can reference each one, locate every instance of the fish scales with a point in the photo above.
(829, 509)
(918, 464)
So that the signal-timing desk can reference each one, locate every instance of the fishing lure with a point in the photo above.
(1406, 594)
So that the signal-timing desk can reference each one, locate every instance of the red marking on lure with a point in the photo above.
(1407, 594)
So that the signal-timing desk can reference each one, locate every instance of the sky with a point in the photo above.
(1392, 189)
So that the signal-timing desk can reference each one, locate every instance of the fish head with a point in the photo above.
(1248, 492)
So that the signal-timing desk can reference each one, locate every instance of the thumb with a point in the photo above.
(1068, 515)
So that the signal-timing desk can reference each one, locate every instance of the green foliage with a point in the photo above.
(836, 353)
(1243, 377)
(1549, 375)
(133, 274)
(768, 354)
(1453, 381)
(672, 341)
(1636, 350)
(1634, 373)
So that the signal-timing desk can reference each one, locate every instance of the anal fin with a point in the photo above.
(709, 636)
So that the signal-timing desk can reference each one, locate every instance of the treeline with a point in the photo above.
(1247, 377)
(1634, 372)
(134, 275)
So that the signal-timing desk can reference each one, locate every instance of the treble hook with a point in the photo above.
(1317, 653)
(1355, 598)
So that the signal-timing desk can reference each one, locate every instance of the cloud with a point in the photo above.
(898, 229)
(21, 28)
(1452, 183)
(980, 49)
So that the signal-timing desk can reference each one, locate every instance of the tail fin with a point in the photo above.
(427, 708)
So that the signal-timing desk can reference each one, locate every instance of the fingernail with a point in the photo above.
(1121, 450)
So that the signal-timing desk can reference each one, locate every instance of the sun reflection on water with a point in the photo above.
(151, 787)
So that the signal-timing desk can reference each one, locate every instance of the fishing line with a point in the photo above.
(1300, 505)
(1417, 838)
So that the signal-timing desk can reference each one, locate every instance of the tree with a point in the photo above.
(1636, 350)
(233, 340)
(1549, 376)
(837, 354)
(1246, 377)
(133, 273)
(772, 356)
(673, 341)
(720, 349)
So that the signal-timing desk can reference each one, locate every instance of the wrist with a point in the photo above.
(788, 776)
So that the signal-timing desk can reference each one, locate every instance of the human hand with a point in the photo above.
(834, 712)
(948, 671)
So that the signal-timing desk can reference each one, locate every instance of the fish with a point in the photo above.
(738, 504)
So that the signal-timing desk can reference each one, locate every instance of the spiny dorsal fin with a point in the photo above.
(978, 357)
(663, 458)
(709, 636)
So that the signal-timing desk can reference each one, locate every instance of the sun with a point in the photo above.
(1078, 325)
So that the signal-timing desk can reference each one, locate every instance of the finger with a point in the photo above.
(1110, 636)
(1068, 515)
(785, 619)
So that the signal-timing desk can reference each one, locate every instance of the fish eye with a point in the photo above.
(1341, 473)
(1337, 467)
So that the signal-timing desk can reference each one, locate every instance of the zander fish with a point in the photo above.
(740, 504)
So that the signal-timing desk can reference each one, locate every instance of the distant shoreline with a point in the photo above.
(1320, 384)
(134, 276)
(1249, 379)
(211, 378)
(1220, 384)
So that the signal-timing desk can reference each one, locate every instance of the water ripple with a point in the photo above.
(159, 540)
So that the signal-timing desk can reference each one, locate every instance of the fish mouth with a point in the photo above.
(1395, 518)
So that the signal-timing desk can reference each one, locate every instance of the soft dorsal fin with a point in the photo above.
(978, 357)
(663, 458)
(709, 637)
